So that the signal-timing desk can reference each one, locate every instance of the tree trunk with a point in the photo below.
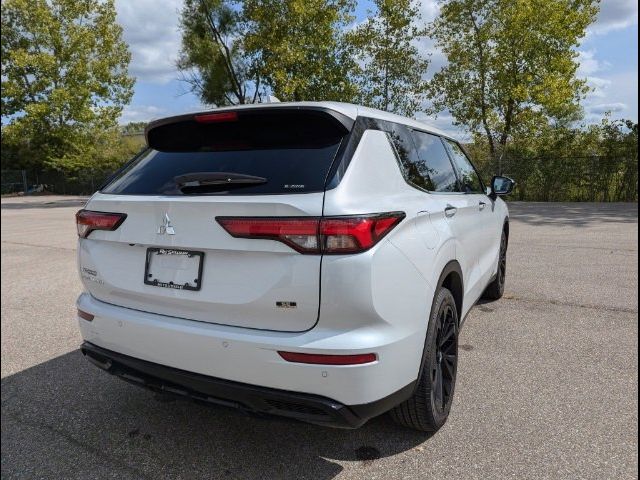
(483, 89)
(504, 137)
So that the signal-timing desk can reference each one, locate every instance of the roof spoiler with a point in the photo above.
(155, 131)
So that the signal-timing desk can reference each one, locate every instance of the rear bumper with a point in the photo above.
(304, 407)
(251, 357)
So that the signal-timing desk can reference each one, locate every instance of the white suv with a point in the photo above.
(310, 260)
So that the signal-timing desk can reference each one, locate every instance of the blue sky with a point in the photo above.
(608, 60)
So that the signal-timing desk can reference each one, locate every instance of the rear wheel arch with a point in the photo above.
(420, 411)
(451, 278)
(505, 228)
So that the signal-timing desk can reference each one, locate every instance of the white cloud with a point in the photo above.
(429, 10)
(589, 64)
(599, 87)
(591, 70)
(614, 92)
(444, 122)
(151, 30)
(608, 107)
(140, 113)
(615, 15)
(146, 113)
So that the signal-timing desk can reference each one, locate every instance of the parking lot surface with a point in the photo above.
(547, 383)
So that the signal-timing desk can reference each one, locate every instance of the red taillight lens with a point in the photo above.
(355, 234)
(314, 235)
(216, 117)
(87, 221)
(299, 233)
(320, 359)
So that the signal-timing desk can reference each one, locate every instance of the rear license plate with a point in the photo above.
(170, 268)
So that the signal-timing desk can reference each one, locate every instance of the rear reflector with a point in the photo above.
(84, 315)
(216, 117)
(319, 359)
(315, 235)
(87, 221)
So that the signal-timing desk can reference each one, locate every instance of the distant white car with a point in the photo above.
(310, 260)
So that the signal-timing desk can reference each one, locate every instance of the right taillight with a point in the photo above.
(88, 220)
(315, 235)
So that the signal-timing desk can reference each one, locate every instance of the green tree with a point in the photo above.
(213, 60)
(563, 162)
(393, 68)
(133, 128)
(301, 49)
(237, 52)
(64, 79)
(511, 64)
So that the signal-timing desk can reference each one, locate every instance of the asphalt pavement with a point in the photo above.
(547, 382)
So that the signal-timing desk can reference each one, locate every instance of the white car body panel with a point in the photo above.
(375, 301)
(243, 278)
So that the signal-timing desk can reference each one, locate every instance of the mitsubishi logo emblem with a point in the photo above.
(166, 226)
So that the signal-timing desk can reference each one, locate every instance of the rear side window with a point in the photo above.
(469, 178)
(434, 166)
(251, 152)
(412, 166)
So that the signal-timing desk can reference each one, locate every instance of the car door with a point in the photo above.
(448, 208)
(483, 218)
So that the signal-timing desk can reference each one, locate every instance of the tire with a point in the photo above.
(495, 290)
(427, 410)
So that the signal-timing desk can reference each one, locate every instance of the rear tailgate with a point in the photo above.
(252, 283)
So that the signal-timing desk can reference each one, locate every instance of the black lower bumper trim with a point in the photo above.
(300, 406)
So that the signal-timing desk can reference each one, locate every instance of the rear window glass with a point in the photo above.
(251, 153)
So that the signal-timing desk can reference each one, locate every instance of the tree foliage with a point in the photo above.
(133, 128)
(64, 79)
(559, 162)
(393, 68)
(213, 60)
(301, 49)
(511, 64)
(236, 52)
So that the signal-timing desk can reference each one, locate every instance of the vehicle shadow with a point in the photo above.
(573, 214)
(65, 418)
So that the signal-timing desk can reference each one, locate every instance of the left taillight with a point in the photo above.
(316, 235)
(88, 220)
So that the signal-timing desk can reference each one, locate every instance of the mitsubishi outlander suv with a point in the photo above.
(309, 260)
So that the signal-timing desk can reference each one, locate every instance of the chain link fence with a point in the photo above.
(571, 179)
(548, 179)
(14, 181)
(21, 182)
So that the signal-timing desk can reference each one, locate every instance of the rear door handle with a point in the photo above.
(450, 211)
(482, 205)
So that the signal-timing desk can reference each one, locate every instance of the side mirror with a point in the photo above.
(501, 186)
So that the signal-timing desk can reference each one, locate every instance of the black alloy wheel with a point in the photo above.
(428, 408)
(445, 363)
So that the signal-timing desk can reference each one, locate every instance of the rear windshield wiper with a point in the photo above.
(199, 182)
